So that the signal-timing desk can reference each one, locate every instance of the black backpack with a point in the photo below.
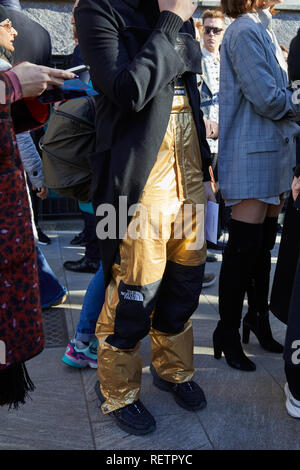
(69, 139)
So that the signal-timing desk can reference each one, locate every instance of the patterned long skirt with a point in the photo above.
(21, 331)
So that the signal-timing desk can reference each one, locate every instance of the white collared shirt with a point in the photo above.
(213, 69)
(211, 76)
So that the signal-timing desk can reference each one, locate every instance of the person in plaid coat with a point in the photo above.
(257, 151)
(21, 330)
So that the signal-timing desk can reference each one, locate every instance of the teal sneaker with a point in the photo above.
(81, 357)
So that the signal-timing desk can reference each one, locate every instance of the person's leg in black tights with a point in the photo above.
(239, 259)
(258, 291)
(257, 318)
(238, 262)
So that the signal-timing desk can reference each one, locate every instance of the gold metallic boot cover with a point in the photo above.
(119, 373)
(172, 355)
(119, 370)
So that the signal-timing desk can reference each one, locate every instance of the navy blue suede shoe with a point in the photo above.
(188, 395)
(133, 419)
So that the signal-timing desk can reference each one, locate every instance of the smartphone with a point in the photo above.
(71, 89)
(82, 72)
(79, 69)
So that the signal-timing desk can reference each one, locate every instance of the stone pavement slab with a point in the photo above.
(244, 411)
(57, 408)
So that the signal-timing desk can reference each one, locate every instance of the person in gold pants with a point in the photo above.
(155, 277)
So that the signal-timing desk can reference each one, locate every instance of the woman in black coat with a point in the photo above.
(285, 298)
(293, 59)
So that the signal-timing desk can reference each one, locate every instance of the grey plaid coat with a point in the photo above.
(257, 149)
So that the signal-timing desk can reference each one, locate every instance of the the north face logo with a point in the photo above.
(133, 295)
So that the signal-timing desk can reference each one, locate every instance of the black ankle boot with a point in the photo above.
(229, 342)
(259, 324)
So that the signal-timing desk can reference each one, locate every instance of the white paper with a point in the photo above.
(211, 222)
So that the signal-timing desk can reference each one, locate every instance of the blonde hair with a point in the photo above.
(213, 14)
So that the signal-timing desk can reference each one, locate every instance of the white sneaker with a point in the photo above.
(292, 405)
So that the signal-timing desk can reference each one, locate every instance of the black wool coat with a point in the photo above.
(294, 58)
(285, 295)
(130, 48)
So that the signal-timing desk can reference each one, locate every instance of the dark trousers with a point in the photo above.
(92, 250)
(293, 379)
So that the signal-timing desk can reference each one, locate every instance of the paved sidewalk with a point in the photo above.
(245, 410)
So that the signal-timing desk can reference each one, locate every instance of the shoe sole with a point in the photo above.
(208, 284)
(288, 403)
(230, 364)
(79, 365)
(123, 426)
(59, 302)
(130, 430)
(162, 386)
(252, 369)
(78, 244)
(56, 302)
(246, 339)
(80, 271)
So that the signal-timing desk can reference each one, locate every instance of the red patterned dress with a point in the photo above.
(21, 332)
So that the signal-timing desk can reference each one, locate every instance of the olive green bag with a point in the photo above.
(69, 139)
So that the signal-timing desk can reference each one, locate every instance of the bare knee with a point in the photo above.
(274, 211)
(250, 211)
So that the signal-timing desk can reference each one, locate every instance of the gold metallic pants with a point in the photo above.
(156, 283)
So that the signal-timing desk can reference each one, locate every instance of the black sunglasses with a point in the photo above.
(209, 29)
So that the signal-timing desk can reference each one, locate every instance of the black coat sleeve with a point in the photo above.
(129, 82)
(294, 58)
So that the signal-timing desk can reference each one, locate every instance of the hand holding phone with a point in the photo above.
(70, 89)
(34, 79)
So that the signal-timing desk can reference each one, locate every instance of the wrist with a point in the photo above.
(17, 88)
(169, 23)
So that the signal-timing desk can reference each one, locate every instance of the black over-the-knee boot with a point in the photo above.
(237, 267)
(257, 318)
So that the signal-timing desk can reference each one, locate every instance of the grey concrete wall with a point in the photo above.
(55, 16)
(286, 25)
